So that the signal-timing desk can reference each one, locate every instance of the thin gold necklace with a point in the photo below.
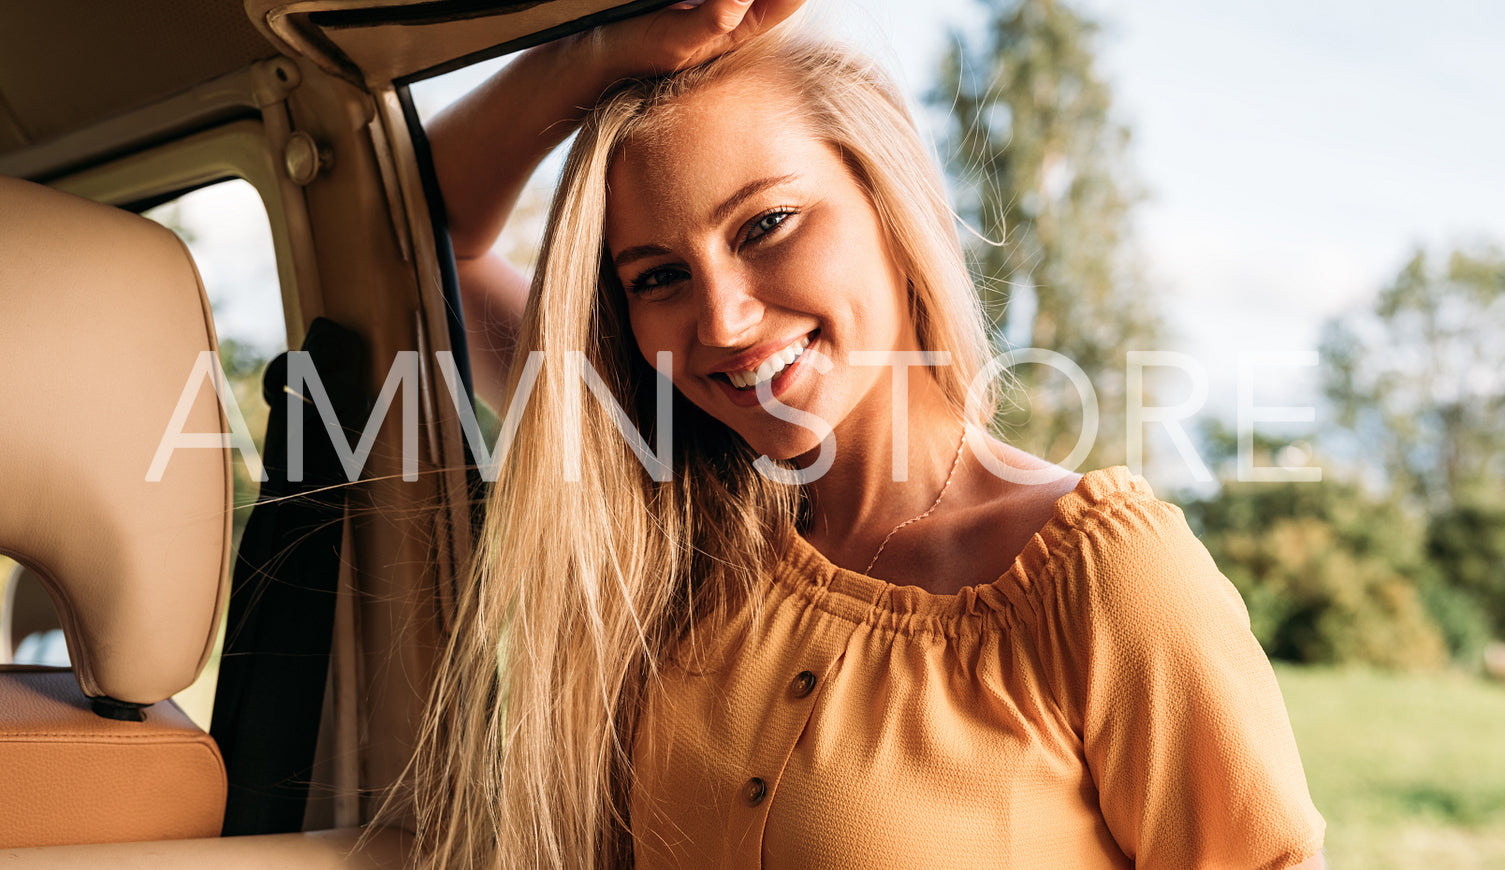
(955, 464)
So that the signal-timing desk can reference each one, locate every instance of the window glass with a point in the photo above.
(523, 234)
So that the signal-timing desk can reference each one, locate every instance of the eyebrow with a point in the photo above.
(745, 192)
(638, 252)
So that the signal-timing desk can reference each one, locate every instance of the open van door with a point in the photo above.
(136, 104)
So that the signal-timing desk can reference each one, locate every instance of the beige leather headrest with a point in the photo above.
(102, 318)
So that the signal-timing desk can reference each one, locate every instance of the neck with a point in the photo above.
(864, 495)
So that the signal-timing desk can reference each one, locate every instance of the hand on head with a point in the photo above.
(486, 145)
(682, 35)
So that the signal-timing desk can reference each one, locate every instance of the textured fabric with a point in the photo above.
(1101, 705)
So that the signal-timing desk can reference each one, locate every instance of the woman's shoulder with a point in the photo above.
(1036, 513)
(1106, 528)
(1109, 505)
(1114, 554)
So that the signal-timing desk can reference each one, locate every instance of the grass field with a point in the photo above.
(1408, 770)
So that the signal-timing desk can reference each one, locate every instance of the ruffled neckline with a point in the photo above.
(805, 571)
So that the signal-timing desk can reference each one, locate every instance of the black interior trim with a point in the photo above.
(40, 162)
(434, 12)
(595, 19)
(454, 313)
(139, 206)
(439, 222)
(122, 711)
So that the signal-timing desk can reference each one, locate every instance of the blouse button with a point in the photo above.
(803, 684)
(755, 791)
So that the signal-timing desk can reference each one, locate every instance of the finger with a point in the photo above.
(695, 30)
(689, 34)
(765, 14)
(695, 21)
(716, 19)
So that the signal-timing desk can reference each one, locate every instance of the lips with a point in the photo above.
(780, 367)
(771, 366)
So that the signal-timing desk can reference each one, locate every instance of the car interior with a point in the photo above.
(117, 447)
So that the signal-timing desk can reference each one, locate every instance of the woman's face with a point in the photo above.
(748, 250)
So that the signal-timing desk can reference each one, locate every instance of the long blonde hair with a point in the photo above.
(585, 578)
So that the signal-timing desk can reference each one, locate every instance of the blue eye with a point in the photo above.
(766, 224)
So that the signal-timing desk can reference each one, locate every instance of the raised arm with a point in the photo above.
(486, 145)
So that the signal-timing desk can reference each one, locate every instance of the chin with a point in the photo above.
(779, 440)
(796, 449)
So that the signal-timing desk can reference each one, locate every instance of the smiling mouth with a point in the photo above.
(769, 368)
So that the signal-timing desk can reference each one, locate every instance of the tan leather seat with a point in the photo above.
(102, 319)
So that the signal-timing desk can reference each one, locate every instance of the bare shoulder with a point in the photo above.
(1021, 489)
(1007, 502)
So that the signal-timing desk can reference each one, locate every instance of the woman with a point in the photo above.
(928, 650)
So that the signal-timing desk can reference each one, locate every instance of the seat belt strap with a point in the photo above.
(273, 671)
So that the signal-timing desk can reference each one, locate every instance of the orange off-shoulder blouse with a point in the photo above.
(1101, 705)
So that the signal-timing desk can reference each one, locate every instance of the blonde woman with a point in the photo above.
(834, 623)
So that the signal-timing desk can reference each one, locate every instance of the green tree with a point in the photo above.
(1418, 385)
(1418, 381)
(1040, 172)
(244, 365)
(1333, 572)
(1467, 544)
(1332, 575)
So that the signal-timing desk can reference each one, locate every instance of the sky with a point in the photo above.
(1293, 153)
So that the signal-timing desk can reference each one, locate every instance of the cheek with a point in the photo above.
(654, 332)
(854, 278)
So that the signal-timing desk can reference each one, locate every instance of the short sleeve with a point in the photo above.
(1181, 720)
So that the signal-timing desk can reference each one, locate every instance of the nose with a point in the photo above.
(727, 310)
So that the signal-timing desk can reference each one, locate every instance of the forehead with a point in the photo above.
(688, 156)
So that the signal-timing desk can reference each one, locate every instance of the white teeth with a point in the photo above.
(771, 366)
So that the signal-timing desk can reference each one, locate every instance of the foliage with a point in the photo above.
(1463, 623)
(244, 364)
(1039, 164)
(1333, 573)
(1418, 382)
(1417, 386)
(1329, 576)
(1467, 544)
